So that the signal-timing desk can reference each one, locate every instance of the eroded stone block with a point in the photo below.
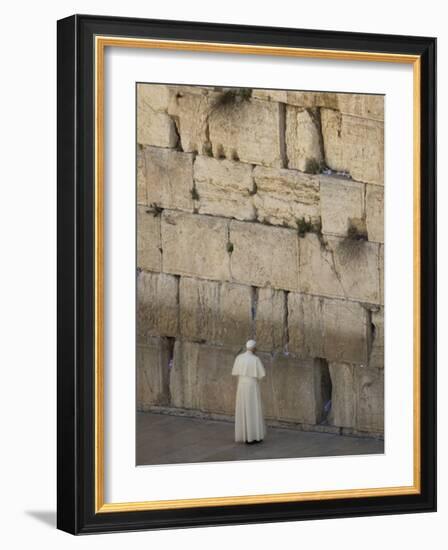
(264, 255)
(303, 140)
(141, 177)
(270, 319)
(169, 178)
(201, 378)
(369, 387)
(306, 325)
(285, 196)
(224, 188)
(343, 397)
(215, 312)
(346, 331)
(154, 127)
(375, 212)
(154, 96)
(149, 253)
(195, 245)
(153, 360)
(336, 267)
(341, 202)
(249, 131)
(355, 145)
(157, 305)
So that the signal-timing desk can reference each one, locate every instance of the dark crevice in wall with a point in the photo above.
(253, 310)
(326, 390)
(282, 135)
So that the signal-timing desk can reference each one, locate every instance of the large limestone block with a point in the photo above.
(141, 176)
(201, 378)
(306, 325)
(153, 363)
(312, 100)
(154, 96)
(215, 312)
(361, 105)
(169, 178)
(339, 268)
(341, 202)
(154, 127)
(375, 213)
(357, 397)
(295, 390)
(249, 131)
(369, 388)
(303, 140)
(333, 329)
(343, 398)
(285, 196)
(224, 188)
(190, 107)
(376, 358)
(263, 255)
(157, 305)
(149, 255)
(346, 331)
(270, 319)
(271, 95)
(354, 145)
(195, 245)
(381, 271)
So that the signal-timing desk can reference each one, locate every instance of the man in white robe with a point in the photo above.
(249, 420)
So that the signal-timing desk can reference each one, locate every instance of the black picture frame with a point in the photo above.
(76, 286)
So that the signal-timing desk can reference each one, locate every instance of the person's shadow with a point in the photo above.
(44, 516)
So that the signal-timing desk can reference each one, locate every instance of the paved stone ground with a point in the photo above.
(166, 439)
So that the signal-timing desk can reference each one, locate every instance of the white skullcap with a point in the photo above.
(251, 344)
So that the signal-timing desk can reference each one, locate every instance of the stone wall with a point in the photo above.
(260, 215)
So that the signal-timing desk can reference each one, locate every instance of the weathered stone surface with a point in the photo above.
(216, 312)
(271, 95)
(381, 268)
(153, 127)
(224, 188)
(190, 108)
(333, 329)
(195, 245)
(369, 389)
(376, 358)
(294, 390)
(154, 96)
(346, 331)
(312, 100)
(361, 105)
(306, 325)
(169, 178)
(201, 378)
(375, 212)
(149, 255)
(141, 176)
(355, 145)
(264, 255)
(249, 131)
(341, 201)
(153, 373)
(270, 313)
(340, 268)
(343, 398)
(357, 397)
(285, 196)
(157, 305)
(303, 139)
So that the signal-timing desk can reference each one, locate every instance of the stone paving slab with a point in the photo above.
(168, 439)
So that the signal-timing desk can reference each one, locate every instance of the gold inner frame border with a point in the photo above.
(100, 44)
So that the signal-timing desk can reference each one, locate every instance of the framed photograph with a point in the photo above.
(246, 274)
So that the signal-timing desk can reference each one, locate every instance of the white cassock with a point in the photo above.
(249, 419)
